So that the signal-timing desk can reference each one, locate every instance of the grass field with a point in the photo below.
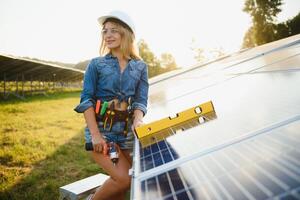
(41, 142)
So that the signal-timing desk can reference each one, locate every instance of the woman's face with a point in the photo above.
(111, 35)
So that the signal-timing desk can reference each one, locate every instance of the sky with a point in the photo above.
(67, 30)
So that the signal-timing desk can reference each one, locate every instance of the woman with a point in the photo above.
(120, 79)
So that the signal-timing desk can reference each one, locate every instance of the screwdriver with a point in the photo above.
(98, 105)
(104, 107)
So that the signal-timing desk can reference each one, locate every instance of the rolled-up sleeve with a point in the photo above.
(141, 96)
(87, 98)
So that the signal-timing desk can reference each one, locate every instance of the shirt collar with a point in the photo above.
(110, 56)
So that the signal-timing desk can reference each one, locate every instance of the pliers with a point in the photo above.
(109, 116)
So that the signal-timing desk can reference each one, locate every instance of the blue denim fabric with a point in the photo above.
(103, 80)
(114, 135)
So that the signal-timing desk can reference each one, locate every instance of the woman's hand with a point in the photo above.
(137, 119)
(136, 123)
(99, 144)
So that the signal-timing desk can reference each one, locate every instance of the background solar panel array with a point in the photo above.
(256, 97)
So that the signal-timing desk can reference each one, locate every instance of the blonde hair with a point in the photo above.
(128, 48)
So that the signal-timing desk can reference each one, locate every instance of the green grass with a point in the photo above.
(42, 146)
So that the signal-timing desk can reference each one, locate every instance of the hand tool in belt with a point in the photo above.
(129, 114)
(104, 107)
(116, 112)
(97, 110)
(98, 105)
(109, 116)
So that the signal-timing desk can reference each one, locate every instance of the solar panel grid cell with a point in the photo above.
(206, 182)
(205, 191)
(232, 188)
(182, 196)
(176, 180)
(154, 148)
(261, 167)
(219, 192)
(152, 186)
(244, 173)
(164, 184)
(254, 190)
(157, 159)
(167, 156)
(289, 197)
(162, 145)
(148, 162)
(282, 174)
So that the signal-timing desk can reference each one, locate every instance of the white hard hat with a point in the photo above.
(120, 16)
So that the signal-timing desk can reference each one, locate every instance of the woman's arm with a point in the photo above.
(87, 98)
(99, 144)
(86, 106)
(141, 99)
(141, 93)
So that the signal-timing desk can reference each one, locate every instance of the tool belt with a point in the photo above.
(114, 113)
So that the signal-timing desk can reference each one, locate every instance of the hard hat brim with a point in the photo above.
(102, 19)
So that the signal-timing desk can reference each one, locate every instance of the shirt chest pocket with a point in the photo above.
(107, 78)
(135, 74)
(105, 71)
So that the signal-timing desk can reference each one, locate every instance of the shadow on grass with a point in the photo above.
(41, 97)
(69, 163)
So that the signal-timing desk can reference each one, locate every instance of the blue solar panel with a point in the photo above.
(250, 151)
(156, 155)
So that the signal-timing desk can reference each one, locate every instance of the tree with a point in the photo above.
(282, 31)
(168, 62)
(249, 40)
(149, 58)
(294, 25)
(156, 66)
(288, 28)
(263, 13)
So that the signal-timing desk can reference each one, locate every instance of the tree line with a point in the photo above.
(264, 28)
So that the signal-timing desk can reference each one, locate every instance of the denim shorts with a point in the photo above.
(115, 135)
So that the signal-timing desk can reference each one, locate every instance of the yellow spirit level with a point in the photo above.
(192, 114)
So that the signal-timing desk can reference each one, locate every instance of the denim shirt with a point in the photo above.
(103, 80)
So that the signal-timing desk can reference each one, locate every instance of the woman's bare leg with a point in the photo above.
(118, 183)
(129, 159)
(127, 156)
